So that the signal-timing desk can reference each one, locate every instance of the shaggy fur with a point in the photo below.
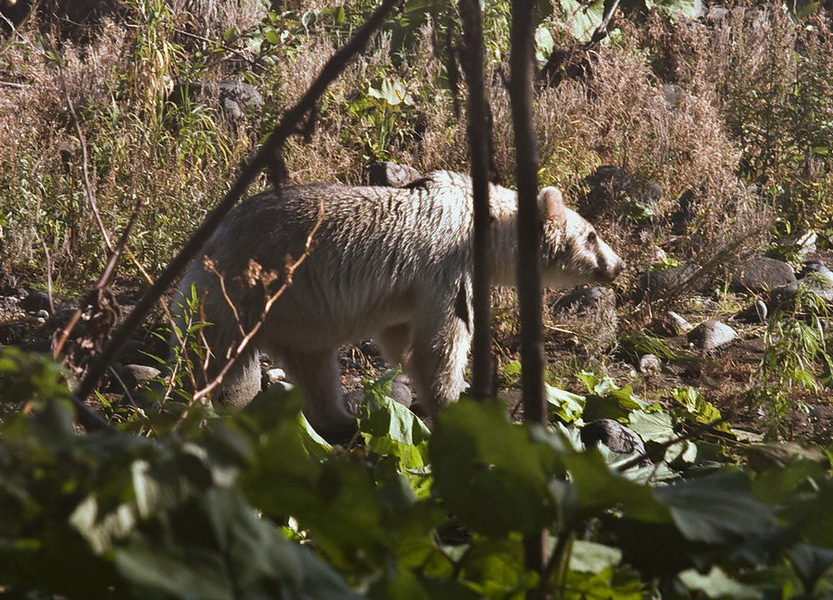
(394, 264)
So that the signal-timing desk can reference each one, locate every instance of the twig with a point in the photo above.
(88, 188)
(264, 157)
(49, 297)
(558, 559)
(209, 266)
(661, 448)
(15, 85)
(103, 281)
(289, 271)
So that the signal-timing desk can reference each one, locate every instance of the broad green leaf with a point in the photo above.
(598, 488)
(391, 429)
(716, 584)
(214, 546)
(655, 426)
(811, 563)
(590, 557)
(716, 510)
(490, 472)
(582, 18)
(566, 405)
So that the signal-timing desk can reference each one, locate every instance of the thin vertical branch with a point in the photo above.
(529, 235)
(479, 148)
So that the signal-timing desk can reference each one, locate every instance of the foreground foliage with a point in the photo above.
(255, 505)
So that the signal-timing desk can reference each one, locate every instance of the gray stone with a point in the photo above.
(612, 434)
(134, 375)
(665, 283)
(815, 268)
(14, 333)
(35, 301)
(761, 274)
(589, 300)
(274, 375)
(650, 364)
(678, 321)
(756, 312)
(711, 334)
(612, 189)
(233, 98)
(672, 94)
(390, 174)
(400, 391)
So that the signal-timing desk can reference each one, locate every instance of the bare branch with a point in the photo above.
(89, 194)
(289, 271)
(103, 281)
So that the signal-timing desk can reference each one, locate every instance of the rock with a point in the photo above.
(761, 274)
(400, 391)
(612, 434)
(684, 214)
(650, 364)
(672, 93)
(35, 301)
(390, 174)
(134, 375)
(13, 333)
(783, 295)
(613, 191)
(756, 312)
(274, 375)
(716, 14)
(233, 98)
(668, 282)
(711, 335)
(679, 323)
(585, 301)
(815, 269)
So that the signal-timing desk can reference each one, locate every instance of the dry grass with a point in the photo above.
(734, 117)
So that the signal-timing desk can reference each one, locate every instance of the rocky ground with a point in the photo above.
(714, 343)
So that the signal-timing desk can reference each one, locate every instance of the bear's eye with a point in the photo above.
(592, 237)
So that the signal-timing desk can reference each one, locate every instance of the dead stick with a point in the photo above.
(103, 281)
(263, 158)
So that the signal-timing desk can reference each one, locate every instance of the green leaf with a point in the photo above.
(599, 488)
(590, 557)
(811, 563)
(655, 426)
(491, 473)
(566, 405)
(544, 44)
(716, 509)
(215, 547)
(582, 19)
(716, 584)
(391, 429)
(606, 400)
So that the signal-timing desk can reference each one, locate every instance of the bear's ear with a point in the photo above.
(551, 205)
